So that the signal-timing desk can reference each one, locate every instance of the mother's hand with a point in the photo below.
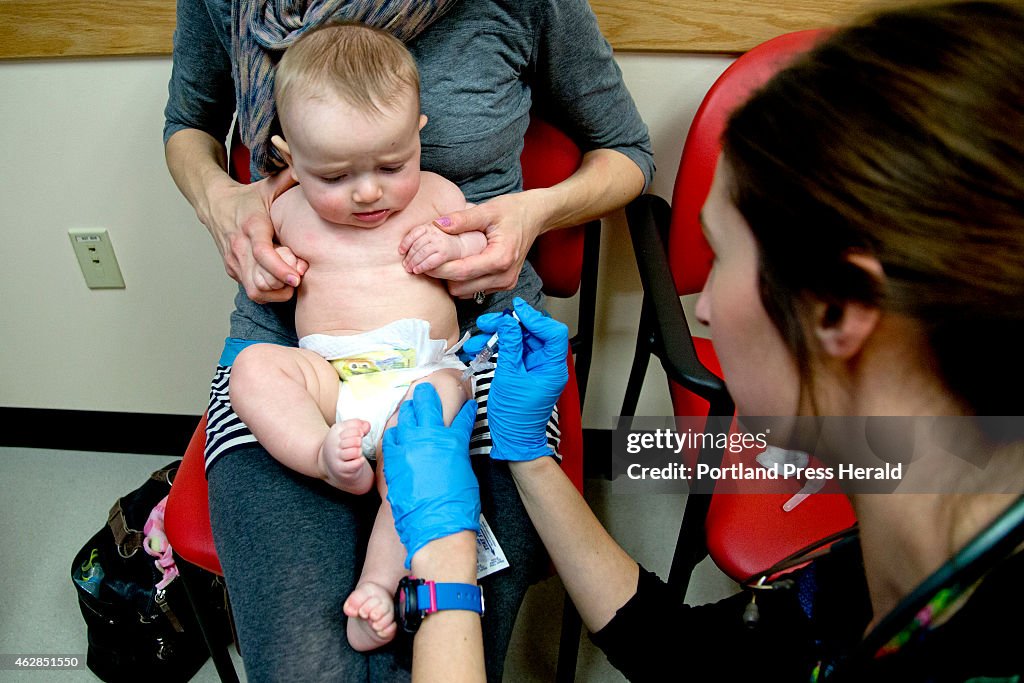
(238, 218)
(431, 486)
(511, 225)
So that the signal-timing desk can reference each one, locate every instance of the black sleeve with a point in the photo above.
(653, 638)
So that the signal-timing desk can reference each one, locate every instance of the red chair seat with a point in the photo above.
(187, 517)
(743, 514)
(737, 526)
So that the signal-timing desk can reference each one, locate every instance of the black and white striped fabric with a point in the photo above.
(226, 432)
(480, 440)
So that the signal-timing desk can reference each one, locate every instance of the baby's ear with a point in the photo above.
(282, 147)
(423, 121)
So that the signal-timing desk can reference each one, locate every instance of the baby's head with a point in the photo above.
(348, 100)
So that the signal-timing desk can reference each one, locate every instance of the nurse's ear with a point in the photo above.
(843, 329)
(282, 147)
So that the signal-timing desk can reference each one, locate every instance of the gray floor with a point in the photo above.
(53, 501)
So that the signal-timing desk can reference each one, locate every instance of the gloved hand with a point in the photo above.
(431, 487)
(530, 376)
(476, 343)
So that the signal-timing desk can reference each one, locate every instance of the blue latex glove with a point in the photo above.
(431, 487)
(530, 376)
(476, 343)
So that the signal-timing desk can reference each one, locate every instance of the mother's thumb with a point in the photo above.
(457, 222)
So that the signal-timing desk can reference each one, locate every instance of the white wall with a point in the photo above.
(82, 147)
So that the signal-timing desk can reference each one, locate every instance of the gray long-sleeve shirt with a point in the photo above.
(483, 66)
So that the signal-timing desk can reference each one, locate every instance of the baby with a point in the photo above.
(348, 100)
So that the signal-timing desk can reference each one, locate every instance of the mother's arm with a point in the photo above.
(606, 180)
(237, 215)
(576, 85)
(197, 118)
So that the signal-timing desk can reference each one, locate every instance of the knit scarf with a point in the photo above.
(262, 29)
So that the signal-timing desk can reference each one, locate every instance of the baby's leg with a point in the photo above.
(288, 398)
(370, 607)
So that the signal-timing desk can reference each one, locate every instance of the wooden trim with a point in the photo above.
(721, 27)
(98, 28)
(80, 28)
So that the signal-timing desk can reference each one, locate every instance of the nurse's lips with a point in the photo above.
(371, 216)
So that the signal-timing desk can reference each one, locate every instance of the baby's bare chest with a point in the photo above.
(356, 280)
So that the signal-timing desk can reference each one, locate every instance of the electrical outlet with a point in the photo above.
(96, 257)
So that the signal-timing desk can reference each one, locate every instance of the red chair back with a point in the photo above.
(549, 156)
(187, 516)
(738, 527)
(688, 252)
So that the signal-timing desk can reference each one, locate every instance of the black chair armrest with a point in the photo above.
(648, 217)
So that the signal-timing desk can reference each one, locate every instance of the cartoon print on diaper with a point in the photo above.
(368, 362)
(376, 369)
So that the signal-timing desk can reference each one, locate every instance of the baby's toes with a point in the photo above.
(382, 617)
(369, 608)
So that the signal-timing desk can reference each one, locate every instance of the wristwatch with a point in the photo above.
(416, 598)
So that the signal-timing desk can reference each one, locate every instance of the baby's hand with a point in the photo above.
(427, 246)
(263, 277)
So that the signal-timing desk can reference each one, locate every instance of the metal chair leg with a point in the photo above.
(190, 577)
(641, 359)
(569, 642)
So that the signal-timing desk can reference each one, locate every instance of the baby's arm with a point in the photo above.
(427, 247)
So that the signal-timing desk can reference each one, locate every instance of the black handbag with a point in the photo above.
(136, 632)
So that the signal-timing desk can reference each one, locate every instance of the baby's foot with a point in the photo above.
(371, 612)
(341, 457)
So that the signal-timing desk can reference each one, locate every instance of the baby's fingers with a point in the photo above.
(265, 280)
(420, 250)
(410, 238)
(429, 262)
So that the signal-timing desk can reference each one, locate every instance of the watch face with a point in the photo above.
(407, 612)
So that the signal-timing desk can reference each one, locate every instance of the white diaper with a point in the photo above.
(377, 367)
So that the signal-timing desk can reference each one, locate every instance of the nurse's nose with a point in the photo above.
(703, 306)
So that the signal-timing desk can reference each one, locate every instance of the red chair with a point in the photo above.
(743, 534)
(564, 259)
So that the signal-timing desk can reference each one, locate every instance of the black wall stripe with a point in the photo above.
(158, 434)
(84, 430)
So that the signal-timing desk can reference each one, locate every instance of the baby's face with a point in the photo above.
(356, 168)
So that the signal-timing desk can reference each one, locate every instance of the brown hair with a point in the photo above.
(363, 66)
(901, 137)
